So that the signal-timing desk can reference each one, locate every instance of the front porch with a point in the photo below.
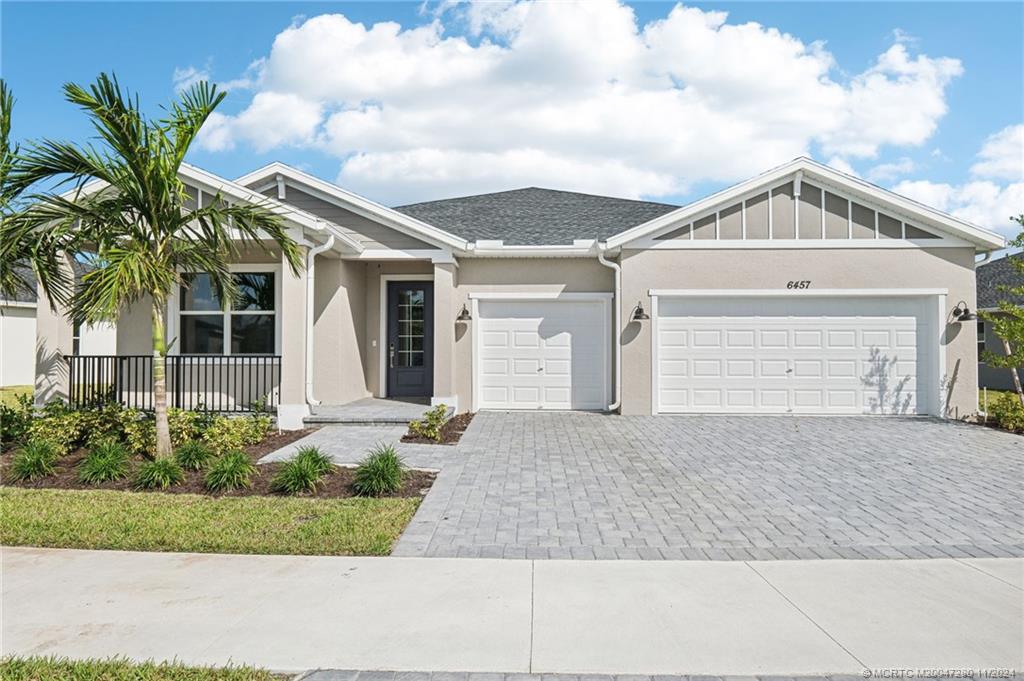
(370, 411)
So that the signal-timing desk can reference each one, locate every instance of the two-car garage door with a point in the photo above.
(792, 355)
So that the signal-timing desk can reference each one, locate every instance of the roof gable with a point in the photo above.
(923, 222)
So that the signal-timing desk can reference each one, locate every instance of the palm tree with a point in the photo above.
(133, 222)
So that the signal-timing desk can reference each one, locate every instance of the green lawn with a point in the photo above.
(10, 392)
(59, 669)
(134, 521)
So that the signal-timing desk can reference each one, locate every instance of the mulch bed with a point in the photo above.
(333, 486)
(451, 431)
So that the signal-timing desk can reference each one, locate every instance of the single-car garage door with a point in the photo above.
(793, 355)
(542, 354)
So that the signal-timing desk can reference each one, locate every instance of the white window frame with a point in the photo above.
(174, 312)
(981, 337)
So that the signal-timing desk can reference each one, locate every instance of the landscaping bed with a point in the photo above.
(448, 433)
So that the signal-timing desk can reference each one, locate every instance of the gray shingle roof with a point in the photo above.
(29, 277)
(535, 216)
(998, 273)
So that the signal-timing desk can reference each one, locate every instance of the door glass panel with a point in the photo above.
(410, 328)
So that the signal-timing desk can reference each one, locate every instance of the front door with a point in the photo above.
(410, 342)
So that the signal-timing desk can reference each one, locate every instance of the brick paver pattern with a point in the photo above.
(591, 486)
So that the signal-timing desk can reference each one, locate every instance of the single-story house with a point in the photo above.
(801, 290)
(18, 335)
(992, 278)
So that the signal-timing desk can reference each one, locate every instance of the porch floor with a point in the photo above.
(370, 410)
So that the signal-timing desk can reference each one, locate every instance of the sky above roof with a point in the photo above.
(408, 102)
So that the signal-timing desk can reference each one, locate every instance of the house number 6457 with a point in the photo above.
(806, 283)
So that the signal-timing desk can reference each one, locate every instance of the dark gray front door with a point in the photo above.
(410, 343)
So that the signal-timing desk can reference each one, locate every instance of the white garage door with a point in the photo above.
(797, 355)
(542, 354)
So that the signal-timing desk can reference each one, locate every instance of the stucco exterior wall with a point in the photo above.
(948, 268)
(477, 275)
(17, 344)
(339, 336)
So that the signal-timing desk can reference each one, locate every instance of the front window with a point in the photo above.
(981, 337)
(246, 328)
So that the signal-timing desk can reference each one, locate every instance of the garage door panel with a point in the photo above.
(806, 355)
(556, 354)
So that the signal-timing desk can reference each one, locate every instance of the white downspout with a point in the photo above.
(985, 257)
(616, 314)
(310, 260)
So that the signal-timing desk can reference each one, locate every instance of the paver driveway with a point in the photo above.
(561, 485)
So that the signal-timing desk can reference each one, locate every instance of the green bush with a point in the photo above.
(228, 434)
(61, 428)
(302, 473)
(159, 474)
(430, 426)
(15, 419)
(1007, 411)
(139, 433)
(382, 472)
(184, 425)
(35, 460)
(194, 455)
(231, 471)
(259, 428)
(107, 460)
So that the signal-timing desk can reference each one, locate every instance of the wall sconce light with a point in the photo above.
(638, 313)
(464, 315)
(962, 313)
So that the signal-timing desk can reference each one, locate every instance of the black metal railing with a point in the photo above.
(222, 383)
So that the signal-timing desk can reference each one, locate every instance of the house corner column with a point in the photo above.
(54, 342)
(444, 334)
(292, 407)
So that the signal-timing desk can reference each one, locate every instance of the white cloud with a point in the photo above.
(1002, 156)
(185, 77)
(613, 105)
(887, 172)
(842, 165)
(983, 203)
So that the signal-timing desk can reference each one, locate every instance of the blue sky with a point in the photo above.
(348, 134)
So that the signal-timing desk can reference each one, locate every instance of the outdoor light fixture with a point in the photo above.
(464, 315)
(638, 313)
(962, 313)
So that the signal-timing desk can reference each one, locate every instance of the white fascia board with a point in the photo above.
(796, 293)
(17, 303)
(983, 239)
(360, 204)
(589, 250)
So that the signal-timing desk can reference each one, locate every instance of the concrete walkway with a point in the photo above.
(577, 617)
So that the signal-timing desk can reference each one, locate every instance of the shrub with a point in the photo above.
(139, 433)
(302, 473)
(1007, 411)
(194, 455)
(231, 471)
(61, 428)
(259, 428)
(35, 460)
(184, 425)
(15, 419)
(319, 461)
(382, 472)
(104, 423)
(159, 474)
(430, 426)
(107, 460)
(227, 434)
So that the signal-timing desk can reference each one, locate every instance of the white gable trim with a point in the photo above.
(358, 204)
(830, 180)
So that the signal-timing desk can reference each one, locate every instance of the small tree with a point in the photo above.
(1008, 322)
(134, 223)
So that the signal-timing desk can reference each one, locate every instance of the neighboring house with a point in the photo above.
(18, 336)
(991, 277)
(802, 290)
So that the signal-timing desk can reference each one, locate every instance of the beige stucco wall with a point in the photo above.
(948, 268)
(477, 275)
(339, 337)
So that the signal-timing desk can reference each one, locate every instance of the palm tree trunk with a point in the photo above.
(1013, 372)
(163, 431)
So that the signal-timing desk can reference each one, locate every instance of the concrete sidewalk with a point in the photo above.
(604, 617)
